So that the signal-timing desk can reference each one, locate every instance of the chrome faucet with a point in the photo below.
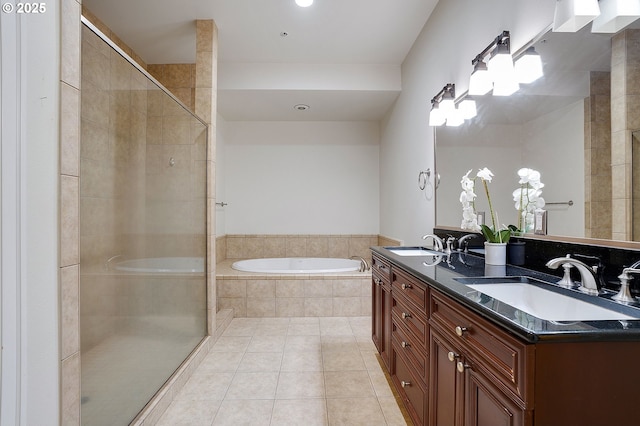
(588, 276)
(464, 241)
(437, 241)
(364, 265)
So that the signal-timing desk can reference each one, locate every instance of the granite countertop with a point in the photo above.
(442, 276)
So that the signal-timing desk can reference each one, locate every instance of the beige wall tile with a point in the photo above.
(318, 288)
(231, 288)
(69, 130)
(70, 389)
(70, 307)
(261, 307)
(261, 288)
(69, 217)
(70, 43)
(346, 288)
(289, 288)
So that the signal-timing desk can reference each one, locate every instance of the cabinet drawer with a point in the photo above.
(381, 269)
(412, 319)
(406, 348)
(500, 354)
(410, 288)
(411, 391)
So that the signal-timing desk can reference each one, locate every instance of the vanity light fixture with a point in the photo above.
(304, 3)
(571, 15)
(501, 67)
(443, 107)
(480, 82)
(615, 15)
(498, 74)
(447, 104)
(528, 67)
(436, 117)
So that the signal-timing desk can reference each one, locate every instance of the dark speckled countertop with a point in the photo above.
(442, 276)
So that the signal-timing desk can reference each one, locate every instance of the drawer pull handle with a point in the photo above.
(405, 315)
(462, 366)
(453, 356)
(405, 384)
(460, 330)
(405, 345)
(406, 286)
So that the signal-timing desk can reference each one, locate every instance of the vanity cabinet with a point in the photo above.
(381, 307)
(453, 365)
(479, 374)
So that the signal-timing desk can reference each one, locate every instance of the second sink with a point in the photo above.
(530, 296)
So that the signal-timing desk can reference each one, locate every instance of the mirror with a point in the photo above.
(541, 127)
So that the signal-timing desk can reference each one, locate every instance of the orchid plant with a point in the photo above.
(492, 234)
(527, 199)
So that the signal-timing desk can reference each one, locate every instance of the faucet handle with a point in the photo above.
(437, 241)
(624, 295)
(566, 280)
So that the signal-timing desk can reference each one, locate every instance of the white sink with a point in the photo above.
(546, 304)
(414, 251)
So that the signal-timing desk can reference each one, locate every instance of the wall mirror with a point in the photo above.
(542, 127)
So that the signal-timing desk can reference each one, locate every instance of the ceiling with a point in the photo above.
(330, 35)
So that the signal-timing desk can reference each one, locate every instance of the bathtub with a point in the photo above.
(297, 265)
(162, 265)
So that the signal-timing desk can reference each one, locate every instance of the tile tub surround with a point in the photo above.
(293, 295)
(241, 246)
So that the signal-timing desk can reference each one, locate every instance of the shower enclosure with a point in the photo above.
(142, 234)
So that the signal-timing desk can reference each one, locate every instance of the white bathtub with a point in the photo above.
(163, 265)
(297, 265)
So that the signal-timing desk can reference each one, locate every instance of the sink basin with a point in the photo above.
(530, 296)
(413, 251)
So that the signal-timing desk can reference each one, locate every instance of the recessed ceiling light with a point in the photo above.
(301, 107)
(304, 3)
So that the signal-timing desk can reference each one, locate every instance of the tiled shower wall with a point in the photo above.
(70, 146)
(597, 156)
(625, 118)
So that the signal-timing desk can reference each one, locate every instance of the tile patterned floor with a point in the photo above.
(289, 371)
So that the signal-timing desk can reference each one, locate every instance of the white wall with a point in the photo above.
(221, 190)
(301, 177)
(30, 334)
(455, 33)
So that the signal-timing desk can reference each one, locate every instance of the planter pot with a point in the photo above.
(495, 253)
(515, 252)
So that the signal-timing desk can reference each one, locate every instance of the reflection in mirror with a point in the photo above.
(559, 125)
(635, 170)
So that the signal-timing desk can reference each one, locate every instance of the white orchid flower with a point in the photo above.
(485, 174)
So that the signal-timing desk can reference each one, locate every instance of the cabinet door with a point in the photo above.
(485, 405)
(381, 319)
(446, 383)
(377, 314)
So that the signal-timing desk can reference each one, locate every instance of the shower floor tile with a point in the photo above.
(289, 371)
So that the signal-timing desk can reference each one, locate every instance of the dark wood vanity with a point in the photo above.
(456, 362)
